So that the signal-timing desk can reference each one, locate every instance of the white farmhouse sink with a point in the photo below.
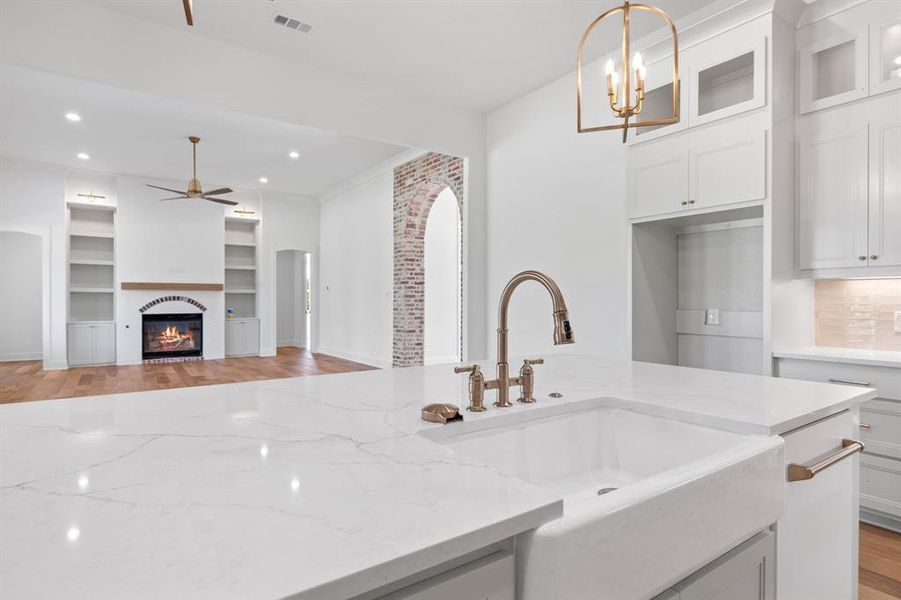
(684, 494)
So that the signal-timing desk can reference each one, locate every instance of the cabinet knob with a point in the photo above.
(862, 257)
(691, 201)
(874, 257)
(684, 203)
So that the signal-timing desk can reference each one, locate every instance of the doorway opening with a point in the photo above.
(293, 299)
(21, 296)
(443, 306)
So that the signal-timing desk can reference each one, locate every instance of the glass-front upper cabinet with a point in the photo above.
(885, 53)
(832, 57)
(658, 102)
(729, 78)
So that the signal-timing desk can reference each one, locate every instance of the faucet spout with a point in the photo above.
(563, 333)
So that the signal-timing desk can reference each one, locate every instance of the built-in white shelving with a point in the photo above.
(91, 281)
(241, 266)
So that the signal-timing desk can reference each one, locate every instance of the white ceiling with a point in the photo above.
(476, 54)
(139, 134)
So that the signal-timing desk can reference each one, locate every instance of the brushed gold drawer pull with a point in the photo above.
(850, 382)
(801, 472)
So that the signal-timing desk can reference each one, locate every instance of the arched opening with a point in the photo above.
(21, 296)
(443, 281)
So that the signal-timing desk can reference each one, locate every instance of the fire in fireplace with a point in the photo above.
(172, 335)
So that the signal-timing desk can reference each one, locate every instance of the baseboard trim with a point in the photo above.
(17, 356)
(360, 358)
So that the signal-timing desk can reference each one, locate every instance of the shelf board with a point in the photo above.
(243, 244)
(92, 322)
(240, 291)
(92, 261)
(93, 234)
(240, 268)
(233, 219)
(90, 206)
(197, 287)
(91, 290)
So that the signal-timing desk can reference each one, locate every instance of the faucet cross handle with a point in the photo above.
(476, 387)
(527, 380)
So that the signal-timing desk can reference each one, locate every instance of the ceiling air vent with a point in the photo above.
(293, 24)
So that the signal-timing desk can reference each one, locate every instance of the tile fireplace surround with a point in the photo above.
(858, 313)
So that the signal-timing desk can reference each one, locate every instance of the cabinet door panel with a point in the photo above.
(817, 536)
(833, 62)
(251, 336)
(234, 338)
(744, 573)
(731, 79)
(885, 47)
(658, 180)
(490, 578)
(80, 342)
(832, 203)
(104, 343)
(729, 170)
(885, 191)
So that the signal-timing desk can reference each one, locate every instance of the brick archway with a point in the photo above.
(416, 186)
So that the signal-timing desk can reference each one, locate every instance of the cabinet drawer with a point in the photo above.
(885, 380)
(489, 578)
(880, 427)
(880, 484)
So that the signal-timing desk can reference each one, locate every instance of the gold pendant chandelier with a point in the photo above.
(633, 72)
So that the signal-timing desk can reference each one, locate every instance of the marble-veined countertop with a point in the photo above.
(311, 487)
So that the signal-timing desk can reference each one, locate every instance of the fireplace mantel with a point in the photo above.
(148, 285)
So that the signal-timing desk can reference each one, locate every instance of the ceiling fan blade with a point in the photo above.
(189, 11)
(218, 191)
(165, 189)
(176, 198)
(220, 200)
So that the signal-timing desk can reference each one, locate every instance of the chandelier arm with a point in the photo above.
(579, 55)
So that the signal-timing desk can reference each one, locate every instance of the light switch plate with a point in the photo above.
(898, 321)
(712, 316)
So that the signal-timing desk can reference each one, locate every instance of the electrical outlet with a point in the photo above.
(712, 316)
(898, 321)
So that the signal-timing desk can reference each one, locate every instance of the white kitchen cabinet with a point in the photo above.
(817, 537)
(658, 102)
(242, 337)
(832, 64)
(658, 179)
(880, 431)
(708, 169)
(728, 169)
(729, 77)
(489, 578)
(832, 201)
(744, 573)
(91, 343)
(885, 48)
(884, 246)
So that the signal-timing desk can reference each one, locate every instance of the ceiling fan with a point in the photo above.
(189, 11)
(194, 189)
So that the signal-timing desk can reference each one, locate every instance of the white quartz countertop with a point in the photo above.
(851, 356)
(312, 487)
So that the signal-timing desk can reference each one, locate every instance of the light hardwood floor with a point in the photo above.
(880, 563)
(25, 380)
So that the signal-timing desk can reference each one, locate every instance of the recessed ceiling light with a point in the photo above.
(294, 154)
(74, 117)
(83, 155)
(264, 180)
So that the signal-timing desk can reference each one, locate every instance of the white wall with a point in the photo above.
(21, 328)
(442, 281)
(32, 200)
(556, 203)
(176, 62)
(357, 281)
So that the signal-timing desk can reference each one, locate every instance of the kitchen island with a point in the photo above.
(314, 487)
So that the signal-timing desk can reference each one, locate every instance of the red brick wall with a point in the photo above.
(416, 186)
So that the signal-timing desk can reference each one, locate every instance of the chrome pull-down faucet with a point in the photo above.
(563, 334)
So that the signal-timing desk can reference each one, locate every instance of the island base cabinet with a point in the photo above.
(817, 537)
(489, 578)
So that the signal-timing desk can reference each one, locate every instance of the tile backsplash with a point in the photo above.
(858, 313)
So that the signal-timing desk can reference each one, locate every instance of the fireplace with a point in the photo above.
(171, 335)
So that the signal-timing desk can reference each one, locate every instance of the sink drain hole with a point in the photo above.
(606, 490)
